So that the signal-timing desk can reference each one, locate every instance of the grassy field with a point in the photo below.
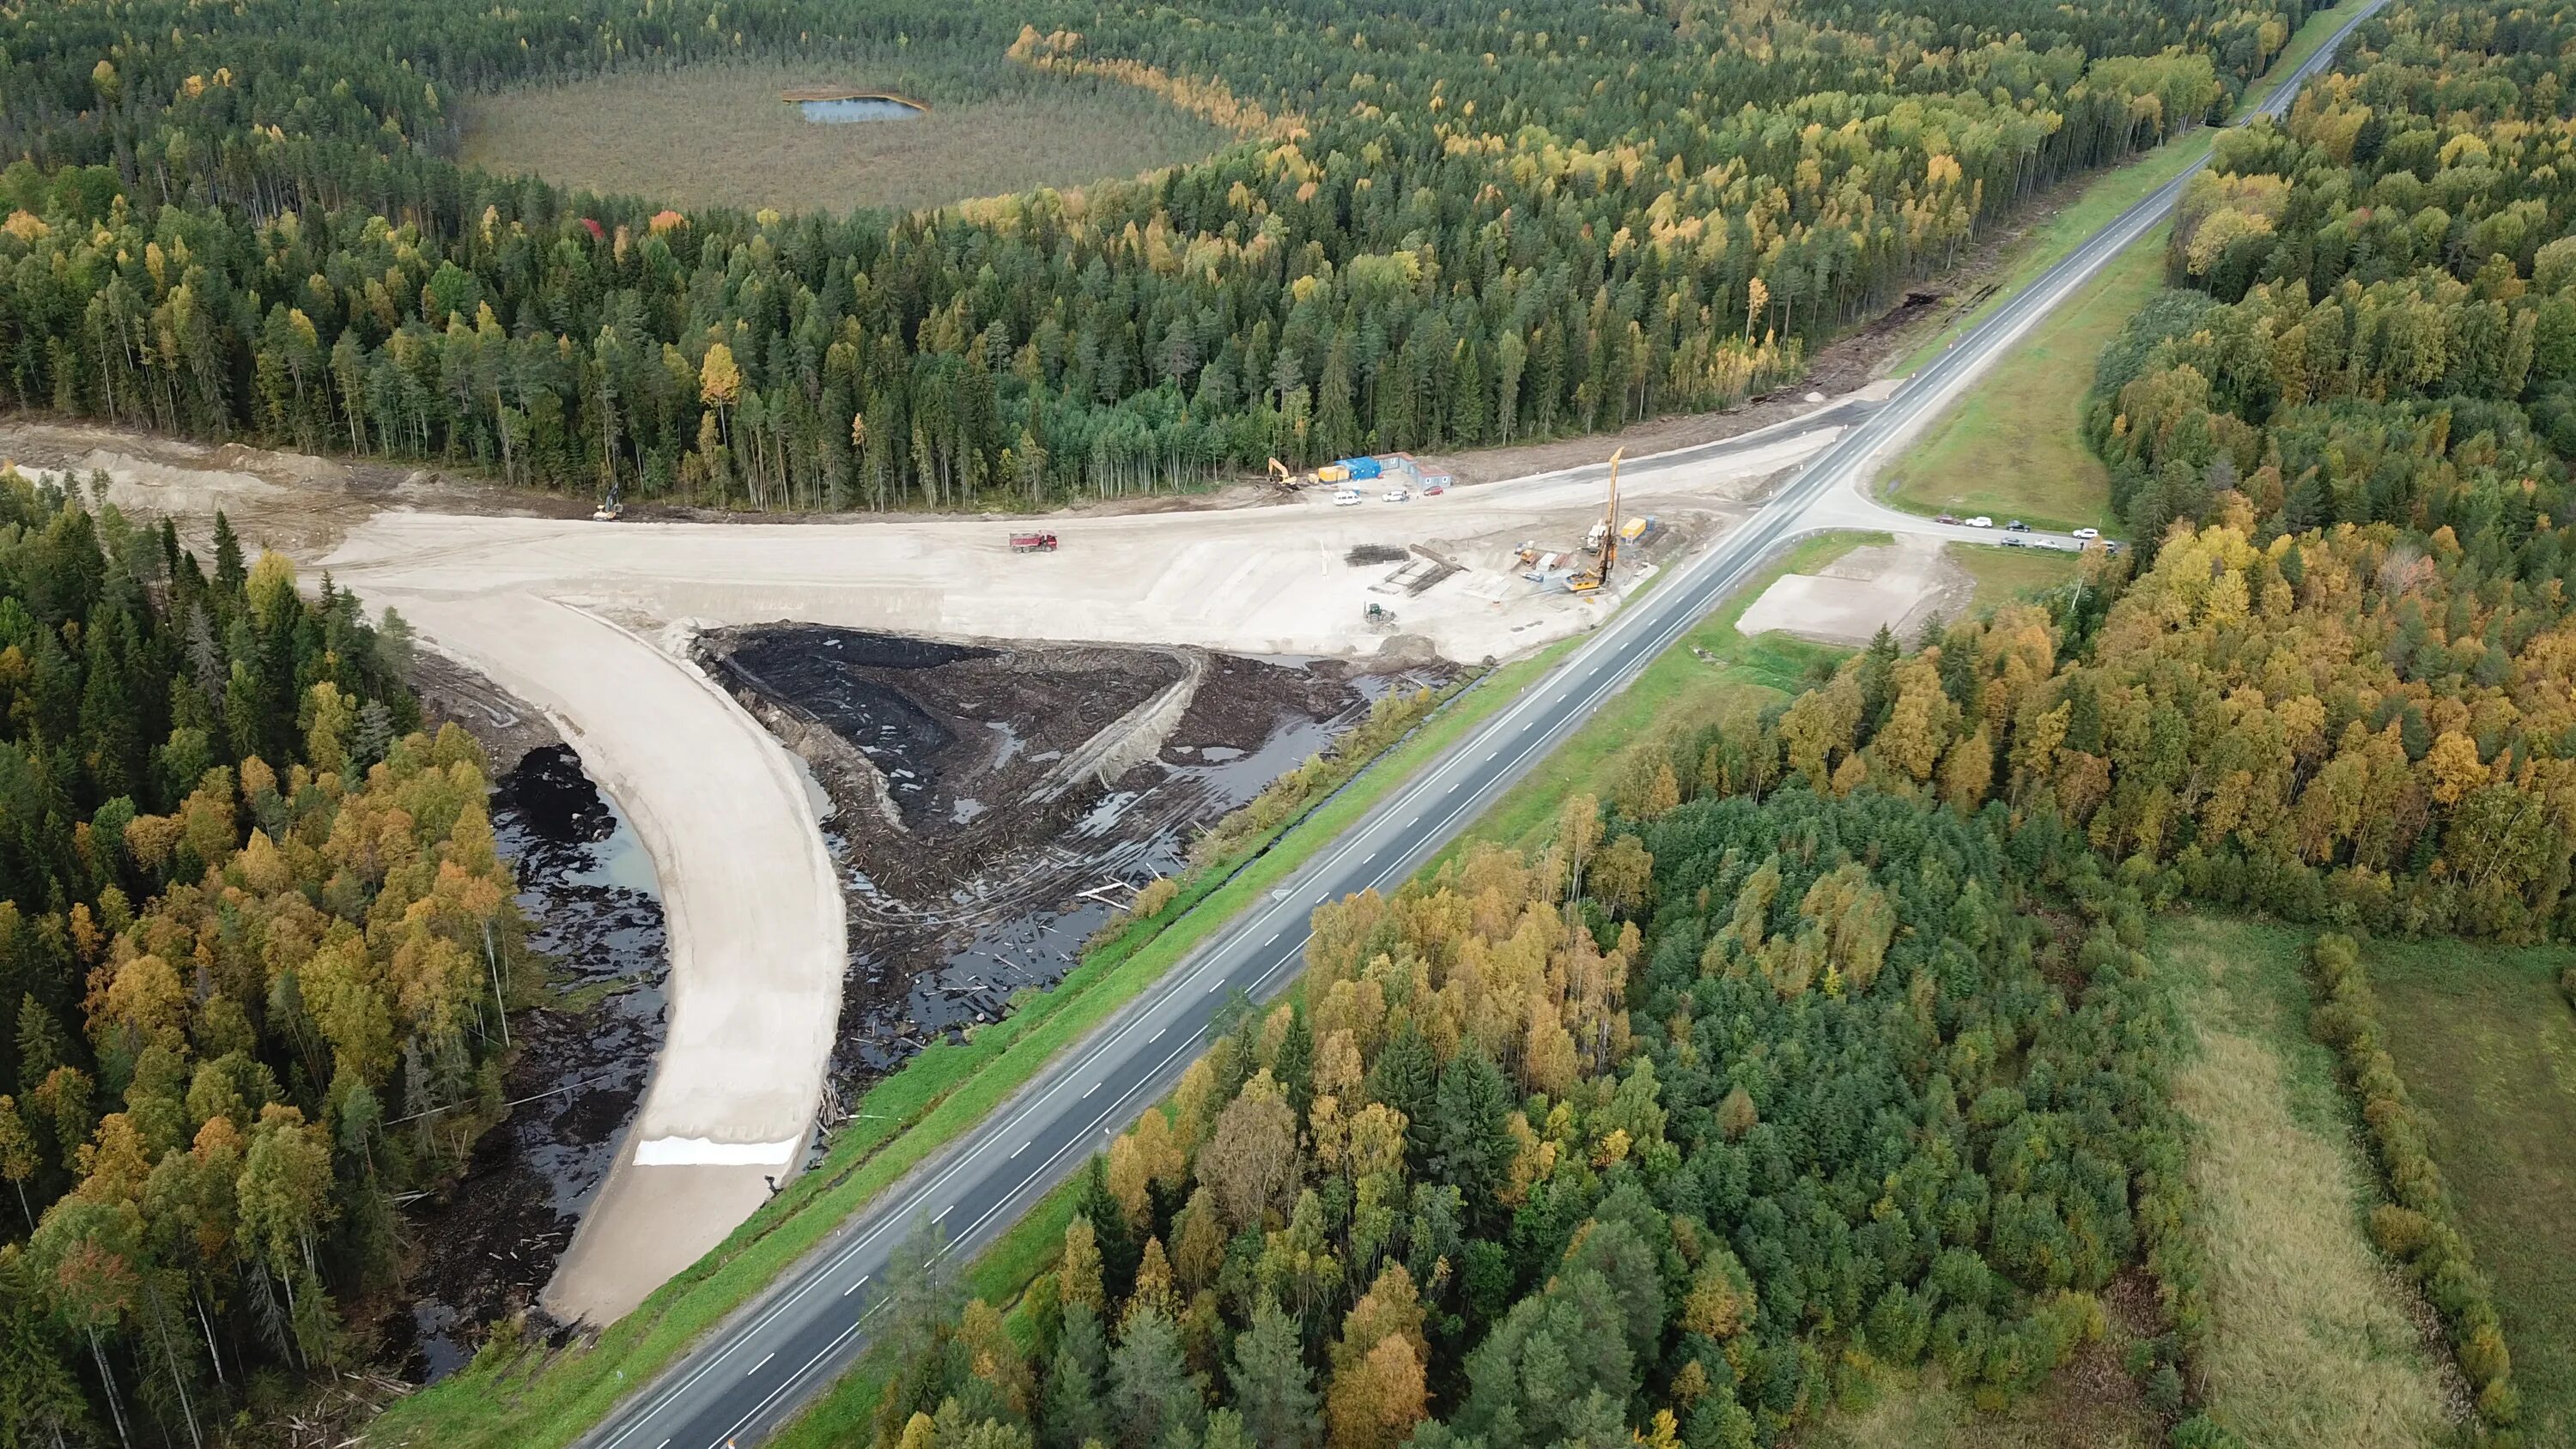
(2006, 574)
(2487, 1045)
(2010, 446)
(536, 1398)
(2313, 1342)
(1709, 672)
(719, 135)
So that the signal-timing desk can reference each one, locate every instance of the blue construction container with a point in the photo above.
(1361, 468)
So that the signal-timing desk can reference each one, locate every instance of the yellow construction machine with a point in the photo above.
(1607, 531)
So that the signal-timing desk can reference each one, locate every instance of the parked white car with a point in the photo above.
(1981, 521)
(1397, 495)
(1346, 498)
(2088, 534)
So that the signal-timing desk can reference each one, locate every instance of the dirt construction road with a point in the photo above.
(591, 622)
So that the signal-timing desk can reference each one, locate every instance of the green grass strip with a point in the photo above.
(1705, 672)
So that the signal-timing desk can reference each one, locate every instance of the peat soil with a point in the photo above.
(594, 914)
(995, 804)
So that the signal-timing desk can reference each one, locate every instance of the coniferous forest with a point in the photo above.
(1446, 226)
(249, 956)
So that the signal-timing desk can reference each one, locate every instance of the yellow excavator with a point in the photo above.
(1607, 530)
(1280, 475)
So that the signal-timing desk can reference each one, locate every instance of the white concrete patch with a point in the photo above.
(702, 1152)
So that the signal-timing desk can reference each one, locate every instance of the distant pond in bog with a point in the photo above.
(845, 110)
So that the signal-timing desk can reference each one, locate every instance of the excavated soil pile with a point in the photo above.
(993, 804)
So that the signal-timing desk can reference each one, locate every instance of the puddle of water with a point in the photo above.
(594, 911)
(434, 1329)
(1101, 817)
(965, 810)
(858, 108)
(815, 794)
(1009, 745)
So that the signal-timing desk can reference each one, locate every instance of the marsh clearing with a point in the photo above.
(722, 135)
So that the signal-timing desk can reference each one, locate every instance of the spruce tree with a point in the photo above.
(1273, 1388)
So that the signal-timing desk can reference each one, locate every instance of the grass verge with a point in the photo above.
(2010, 447)
(1710, 671)
(525, 1397)
(2487, 1046)
(2314, 1342)
(2006, 574)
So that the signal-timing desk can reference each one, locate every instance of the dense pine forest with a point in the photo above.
(248, 958)
(1444, 227)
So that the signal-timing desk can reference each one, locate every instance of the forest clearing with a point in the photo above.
(2490, 1055)
(719, 135)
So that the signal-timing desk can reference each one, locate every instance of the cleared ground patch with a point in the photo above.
(1849, 598)
(720, 135)
(2090, 1404)
(2487, 1045)
(2011, 448)
(2314, 1340)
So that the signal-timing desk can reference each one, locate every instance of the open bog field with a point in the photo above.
(721, 135)
(2315, 1342)
(2487, 1044)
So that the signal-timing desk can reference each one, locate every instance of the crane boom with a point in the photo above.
(1610, 540)
(1599, 574)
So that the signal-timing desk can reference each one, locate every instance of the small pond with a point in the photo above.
(859, 108)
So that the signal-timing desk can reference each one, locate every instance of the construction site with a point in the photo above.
(889, 772)
(992, 805)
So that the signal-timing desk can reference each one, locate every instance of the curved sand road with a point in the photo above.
(757, 939)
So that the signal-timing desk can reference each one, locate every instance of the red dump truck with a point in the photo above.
(1033, 543)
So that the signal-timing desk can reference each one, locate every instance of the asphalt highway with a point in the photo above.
(765, 1363)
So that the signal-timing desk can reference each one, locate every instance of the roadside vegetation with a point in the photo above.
(2007, 575)
(2013, 445)
(718, 135)
(2124, 186)
(1712, 671)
